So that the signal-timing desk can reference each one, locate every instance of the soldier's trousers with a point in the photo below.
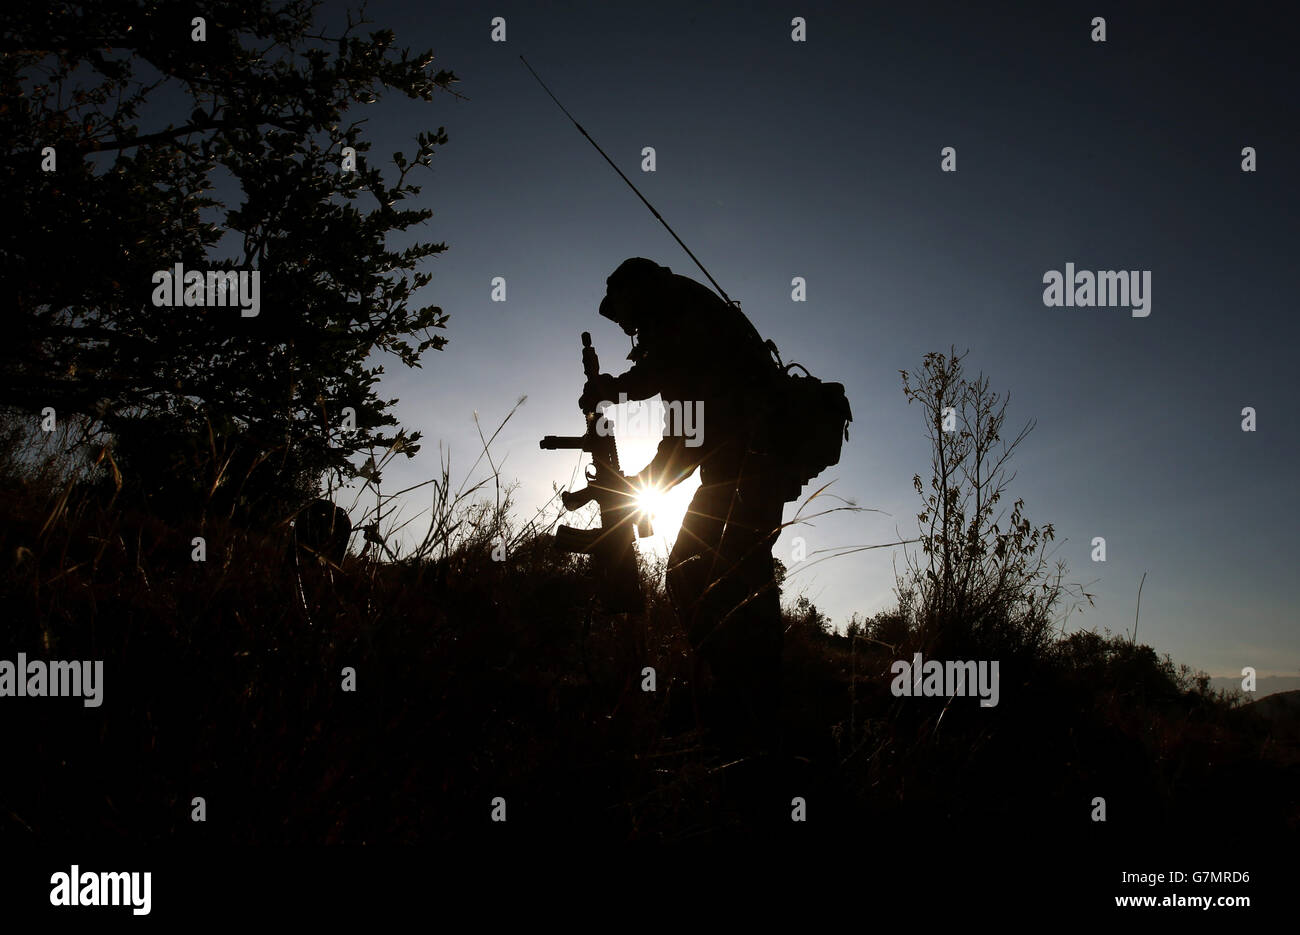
(721, 580)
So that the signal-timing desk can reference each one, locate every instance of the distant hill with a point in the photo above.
(1281, 706)
(1268, 685)
(1280, 710)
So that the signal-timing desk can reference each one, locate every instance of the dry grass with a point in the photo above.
(479, 678)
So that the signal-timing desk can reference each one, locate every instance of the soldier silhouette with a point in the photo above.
(694, 349)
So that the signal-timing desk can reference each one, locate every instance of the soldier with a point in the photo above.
(693, 349)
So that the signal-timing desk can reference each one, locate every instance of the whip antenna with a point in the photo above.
(629, 182)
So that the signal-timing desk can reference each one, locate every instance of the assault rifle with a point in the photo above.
(613, 557)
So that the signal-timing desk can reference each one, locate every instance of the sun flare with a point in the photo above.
(637, 441)
(650, 500)
(666, 509)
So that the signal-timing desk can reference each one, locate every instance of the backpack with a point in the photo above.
(807, 422)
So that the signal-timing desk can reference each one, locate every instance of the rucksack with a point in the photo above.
(807, 424)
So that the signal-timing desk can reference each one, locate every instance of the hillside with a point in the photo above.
(477, 679)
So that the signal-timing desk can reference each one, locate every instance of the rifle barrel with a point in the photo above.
(559, 442)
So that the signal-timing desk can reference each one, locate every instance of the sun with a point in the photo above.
(637, 442)
(650, 500)
(666, 509)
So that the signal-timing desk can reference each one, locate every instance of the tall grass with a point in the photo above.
(482, 675)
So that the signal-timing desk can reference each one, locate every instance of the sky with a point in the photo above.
(822, 159)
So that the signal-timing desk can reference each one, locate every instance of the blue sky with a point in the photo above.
(821, 159)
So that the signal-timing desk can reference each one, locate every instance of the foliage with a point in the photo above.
(222, 154)
(982, 576)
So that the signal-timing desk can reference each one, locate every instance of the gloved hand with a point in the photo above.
(598, 389)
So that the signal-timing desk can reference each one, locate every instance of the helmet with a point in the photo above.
(636, 272)
(634, 282)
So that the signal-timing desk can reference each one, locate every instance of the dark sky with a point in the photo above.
(821, 159)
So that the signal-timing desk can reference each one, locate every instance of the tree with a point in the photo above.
(982, 577)
(225, 153)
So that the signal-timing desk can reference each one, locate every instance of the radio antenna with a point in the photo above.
(629, 182)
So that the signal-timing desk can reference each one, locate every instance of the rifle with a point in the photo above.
(613, 557)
